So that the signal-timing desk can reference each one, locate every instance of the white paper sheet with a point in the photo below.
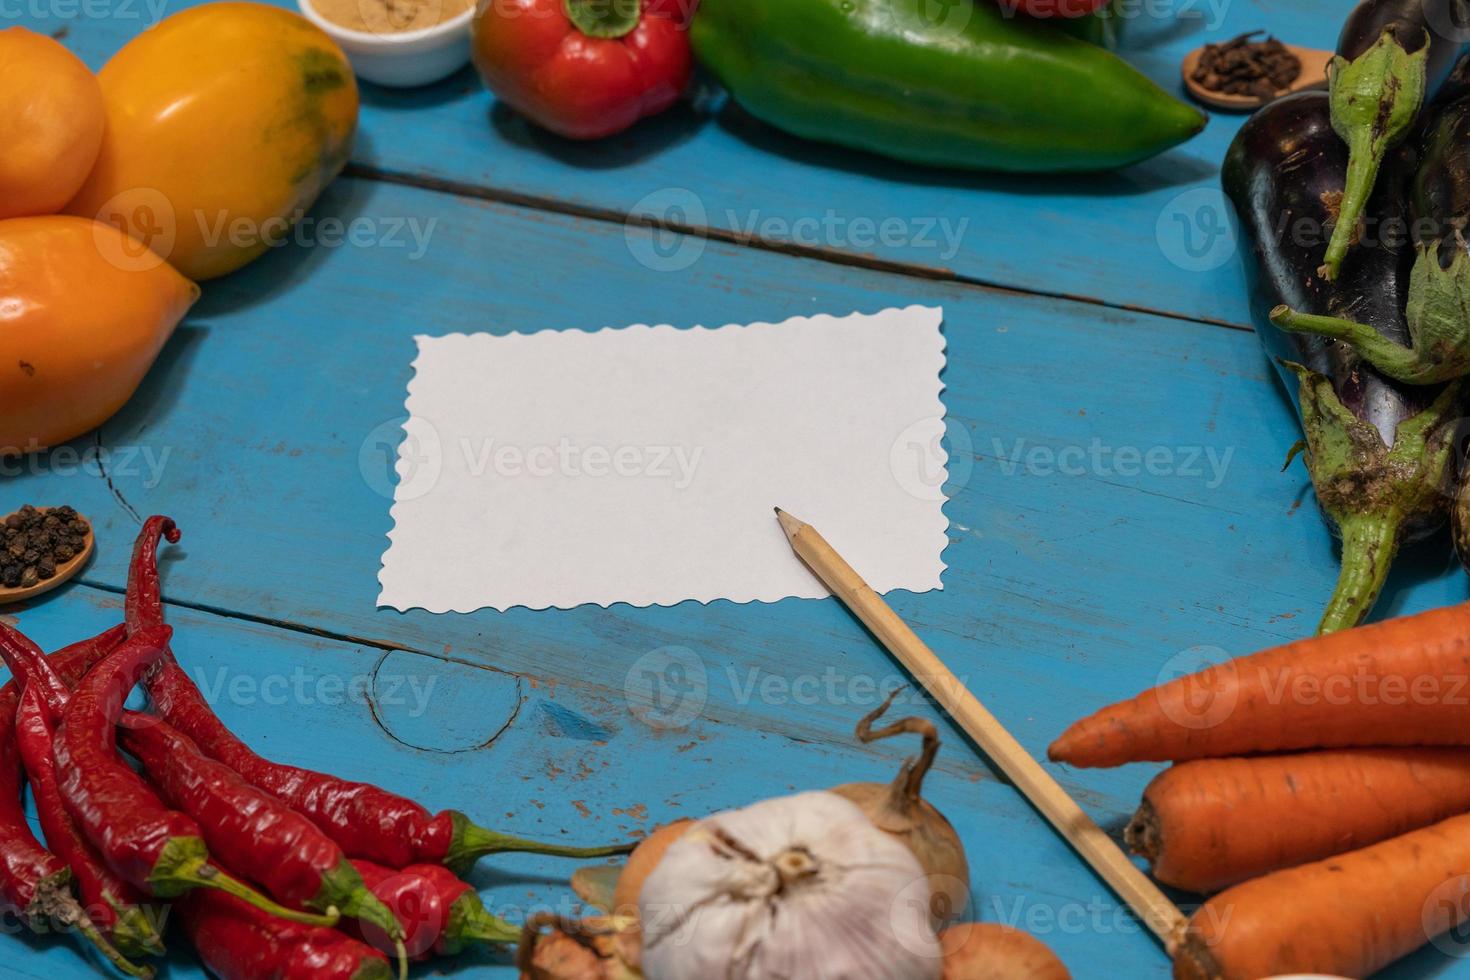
(641, 464)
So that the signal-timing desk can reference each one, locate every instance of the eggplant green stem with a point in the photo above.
(472, 842)
(1374, 100)
(1365, 159)
(1369, 544)
(1393, 359)
(1437, 316)
(1371, 491)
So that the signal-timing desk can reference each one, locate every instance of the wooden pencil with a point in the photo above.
(1086, 837)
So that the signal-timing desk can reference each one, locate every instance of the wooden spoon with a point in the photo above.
(1314, 75)
(64, 571)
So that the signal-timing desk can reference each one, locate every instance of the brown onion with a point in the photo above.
(900, 809)
(590, 949)
(641, 862)
(990, 951)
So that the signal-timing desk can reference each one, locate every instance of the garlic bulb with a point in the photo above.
(796, 887)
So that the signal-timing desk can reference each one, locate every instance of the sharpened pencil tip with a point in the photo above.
(789, 524)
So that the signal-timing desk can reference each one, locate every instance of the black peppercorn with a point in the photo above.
(35, 543)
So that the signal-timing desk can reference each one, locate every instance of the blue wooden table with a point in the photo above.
(1116, 496)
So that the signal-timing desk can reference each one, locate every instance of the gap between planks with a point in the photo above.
(831, 256)
(797, 734)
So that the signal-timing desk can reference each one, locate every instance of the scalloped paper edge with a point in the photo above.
(940, 532)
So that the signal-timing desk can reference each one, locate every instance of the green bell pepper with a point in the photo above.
(953, 83)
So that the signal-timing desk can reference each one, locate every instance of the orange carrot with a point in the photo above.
(1346, 916)
(1208, 824)
(1401, 682)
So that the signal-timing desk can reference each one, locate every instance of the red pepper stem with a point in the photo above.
(610, 19)
(470, 922)
(54, 901)
(135, 932)
(472, 842)
(208, 876)
(184, 865)
(344, 891)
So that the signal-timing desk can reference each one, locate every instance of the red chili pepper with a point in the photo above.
(244, 827)
(118, 909)
(441, 914)
(158, 850)
(365, 821)
(34, 883)
(239, 942)
(28, 663)
(584, 68)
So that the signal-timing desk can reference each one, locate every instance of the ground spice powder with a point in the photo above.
(390, 16)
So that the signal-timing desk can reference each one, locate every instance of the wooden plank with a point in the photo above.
(1116, 494)
(1154, 236)
(348, 708)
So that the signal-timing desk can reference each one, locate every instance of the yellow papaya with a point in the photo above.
(224, 124)
(84, 311)
(51, 119)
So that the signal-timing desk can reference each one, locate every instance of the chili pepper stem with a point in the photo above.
(119, 962)
(374, 970)
(184, 865)
(1369, 544)
(136, 932)
(1393, 359)
(472, 842)
(344, 891)
(470, 922)
(54, 902)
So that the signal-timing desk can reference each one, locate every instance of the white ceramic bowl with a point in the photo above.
(401, 60)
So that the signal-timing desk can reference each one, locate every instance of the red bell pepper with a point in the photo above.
(585, 68)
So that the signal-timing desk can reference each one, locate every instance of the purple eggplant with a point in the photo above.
(1441, 199)
(1393, 58)
(1437, 310)
(1378, 451)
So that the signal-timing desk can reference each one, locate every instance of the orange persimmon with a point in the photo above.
(224, 123)
(84, 310)
(51, 122)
